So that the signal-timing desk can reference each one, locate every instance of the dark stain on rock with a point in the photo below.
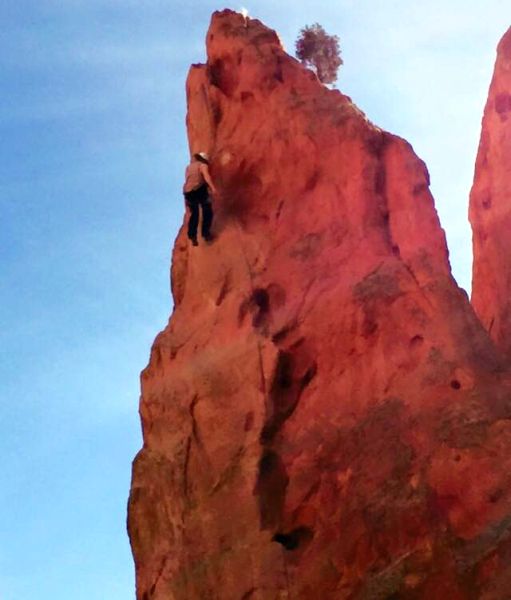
(503, 104)
(306, 247)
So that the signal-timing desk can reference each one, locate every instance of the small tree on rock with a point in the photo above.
(316, 49)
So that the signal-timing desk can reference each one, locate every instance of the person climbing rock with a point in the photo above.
(196, 193)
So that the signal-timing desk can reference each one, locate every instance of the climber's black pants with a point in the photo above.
(194, 199)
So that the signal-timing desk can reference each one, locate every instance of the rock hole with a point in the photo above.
(258, 304)
(261, 300)
(245, 96)
(496, 496)
(416, 341)
(294, 539)
(396, 251)
(455, 384)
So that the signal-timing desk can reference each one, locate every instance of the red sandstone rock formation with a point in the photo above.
(490, 207)
(324, 417)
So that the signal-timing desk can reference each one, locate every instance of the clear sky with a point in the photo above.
(92, 149)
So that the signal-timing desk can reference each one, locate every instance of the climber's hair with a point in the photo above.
(201, 157)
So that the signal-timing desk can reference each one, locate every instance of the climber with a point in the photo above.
(195, 190)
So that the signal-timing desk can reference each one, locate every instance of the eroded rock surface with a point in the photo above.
(324, 417)
(490, 207)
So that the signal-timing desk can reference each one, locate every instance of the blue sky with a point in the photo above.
(92, 149)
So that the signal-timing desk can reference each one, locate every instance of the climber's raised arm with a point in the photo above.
(207, 177)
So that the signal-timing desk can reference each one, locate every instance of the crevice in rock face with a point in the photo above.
(271, 488)
(156, 581)
(230, 471)
(280, 335)
(294, 371)
(279, 210)
(216, 113)
(195, 430)
(224, 290)
(377, 147)
(289, 381)
(188, 450)
(223, 75)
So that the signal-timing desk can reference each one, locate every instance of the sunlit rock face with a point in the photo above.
(324, 416)
(490, 207)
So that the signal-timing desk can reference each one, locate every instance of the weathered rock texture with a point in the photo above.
(490, 207)
(324, 416)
